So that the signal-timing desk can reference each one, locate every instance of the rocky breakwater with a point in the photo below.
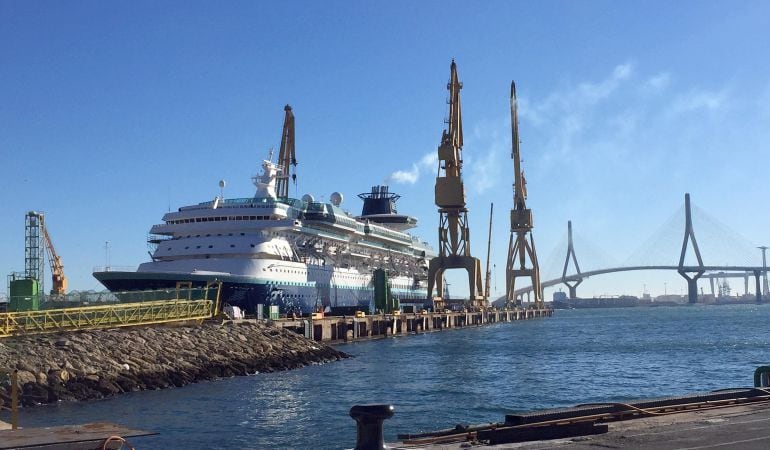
(101, 363)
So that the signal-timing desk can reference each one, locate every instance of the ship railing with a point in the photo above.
(114, 269)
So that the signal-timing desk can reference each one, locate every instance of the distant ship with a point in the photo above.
(299, 254)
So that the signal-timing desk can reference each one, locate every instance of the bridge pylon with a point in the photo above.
(573, 282)
(690, 275)
(453, 233)
(519, 247)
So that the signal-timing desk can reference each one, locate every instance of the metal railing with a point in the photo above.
(187, 304)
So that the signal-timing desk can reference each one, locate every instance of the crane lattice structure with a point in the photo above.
(34, 256)
(519, 247)
(286, 155)
(453, 232)
(36, 238)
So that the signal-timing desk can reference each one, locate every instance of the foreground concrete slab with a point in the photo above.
(745, 426)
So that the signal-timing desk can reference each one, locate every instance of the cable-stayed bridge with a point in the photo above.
(675, 238)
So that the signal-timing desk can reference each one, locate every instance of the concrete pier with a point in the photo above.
(337, 329)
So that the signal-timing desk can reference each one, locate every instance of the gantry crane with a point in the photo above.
(519, 247)
(286, 156)
(453, 233)
(36, 236)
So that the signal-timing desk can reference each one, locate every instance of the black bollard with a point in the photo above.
(369, 420)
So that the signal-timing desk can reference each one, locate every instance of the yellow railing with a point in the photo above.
(113, 315)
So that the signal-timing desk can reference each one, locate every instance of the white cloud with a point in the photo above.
(697, 100)
(593, 92)
(658, 82)
(411, 176)
(405, 176)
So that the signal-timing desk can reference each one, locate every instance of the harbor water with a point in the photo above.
(437, 380)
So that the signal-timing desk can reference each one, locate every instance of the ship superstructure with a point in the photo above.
(300, 254)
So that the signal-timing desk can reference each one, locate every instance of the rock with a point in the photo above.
(101, 363)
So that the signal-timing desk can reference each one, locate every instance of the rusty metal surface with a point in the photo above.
(90, 435)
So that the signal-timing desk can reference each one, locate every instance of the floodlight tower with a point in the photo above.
(286, 156)
(519, 247)
(453, 232)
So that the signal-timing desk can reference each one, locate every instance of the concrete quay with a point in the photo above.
(338, 329)
(740, 426)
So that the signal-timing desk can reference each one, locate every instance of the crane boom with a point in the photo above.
(286, 155)
(488, 280)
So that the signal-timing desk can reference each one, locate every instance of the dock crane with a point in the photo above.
(453, 233)
(520, 249)
(36, 231)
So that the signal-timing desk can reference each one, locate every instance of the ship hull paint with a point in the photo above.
(247, 292)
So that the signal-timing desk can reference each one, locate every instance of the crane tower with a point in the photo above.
(286, 156)
(520, 248)
(37, 239)
(453, 232)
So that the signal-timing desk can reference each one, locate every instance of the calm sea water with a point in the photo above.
(440, 379)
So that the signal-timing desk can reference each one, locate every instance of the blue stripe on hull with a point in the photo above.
(289, 297)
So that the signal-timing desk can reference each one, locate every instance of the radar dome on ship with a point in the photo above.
(307, 198)
(336, 198)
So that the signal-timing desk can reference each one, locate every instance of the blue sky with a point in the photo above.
(112, 112)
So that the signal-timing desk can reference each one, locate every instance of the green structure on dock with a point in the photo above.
(23, 294)
(383, 299)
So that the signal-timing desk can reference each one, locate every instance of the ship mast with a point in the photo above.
(286, 156)
(519, 247)
(453, 233)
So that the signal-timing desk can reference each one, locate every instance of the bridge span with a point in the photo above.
(579, 277)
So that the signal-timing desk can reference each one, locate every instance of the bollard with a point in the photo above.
(762, 377)
(369, 420)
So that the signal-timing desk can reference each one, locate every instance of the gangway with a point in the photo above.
(188, 304)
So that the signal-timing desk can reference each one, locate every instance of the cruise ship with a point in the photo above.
(299, 254)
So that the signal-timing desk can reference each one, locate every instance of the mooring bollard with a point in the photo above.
(369, 420)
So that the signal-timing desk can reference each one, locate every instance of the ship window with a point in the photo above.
(219, 234)
(252, 245)
(208, 235)
(186, 248)
(253, 217)
(232, 245)
(198, 246)
(197, 235)
(243, 234)
(211, 246)
(169, 248)
(229, 234)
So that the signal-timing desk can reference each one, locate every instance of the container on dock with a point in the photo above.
(24, 295)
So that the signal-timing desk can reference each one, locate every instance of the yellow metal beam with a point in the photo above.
(107, 316)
